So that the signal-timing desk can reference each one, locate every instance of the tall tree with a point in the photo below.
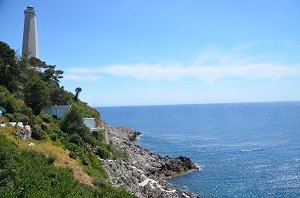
(77, 90)
(51, 74)
(7, 65)
(73, 123)
(36, 95)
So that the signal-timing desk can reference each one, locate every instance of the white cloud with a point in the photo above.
(208, 67)
(79, 77)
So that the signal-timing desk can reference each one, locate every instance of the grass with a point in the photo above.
(26, 172)
(48, 148)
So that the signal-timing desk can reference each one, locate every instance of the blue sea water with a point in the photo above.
(244, 149)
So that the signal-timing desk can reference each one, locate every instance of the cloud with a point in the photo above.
(80, 77)
(208, 67)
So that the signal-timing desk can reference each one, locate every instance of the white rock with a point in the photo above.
(31, 144)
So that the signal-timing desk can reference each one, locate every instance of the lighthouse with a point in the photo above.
(30, 36)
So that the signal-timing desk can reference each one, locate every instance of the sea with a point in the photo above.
(242, 149)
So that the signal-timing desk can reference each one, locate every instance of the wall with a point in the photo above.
(58, 111)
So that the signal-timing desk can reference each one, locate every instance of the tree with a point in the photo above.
(7, 65)
(36, 95)
(51, 74)
(58, 96)
(7, 100)
(73, 123)
(35, 62)
(77, 90)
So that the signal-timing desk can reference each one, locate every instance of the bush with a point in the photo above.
(35, 120)
(76, 139)
(73, 123)
(7, 100)
(29, 174)
(18, 117)
(53, 137)
(103, 153)
(99, 134)
(72, 155)
(8, 116)
(38, 133)
(3, 119)
(85, 160)
(22, 108)
(51, 159)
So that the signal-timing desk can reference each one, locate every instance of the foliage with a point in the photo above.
(72, 155)
(24, 92)
(36, 95)
(29, 174)
(73, 123)
(51, 159)
(76, 139)
(58, 95)
(35, 62)
(3, 119)
(7, 63)
(77, 90)
(38, 133)
(18, 117)
(7, 100)
(51, 74)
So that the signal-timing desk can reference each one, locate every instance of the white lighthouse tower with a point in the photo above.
(30, 46)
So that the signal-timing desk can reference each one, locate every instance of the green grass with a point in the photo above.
(27, 173)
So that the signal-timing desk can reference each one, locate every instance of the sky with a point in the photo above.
(141, 52)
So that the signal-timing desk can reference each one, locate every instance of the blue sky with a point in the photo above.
(139, 52)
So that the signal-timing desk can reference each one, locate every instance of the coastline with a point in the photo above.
(144, 173)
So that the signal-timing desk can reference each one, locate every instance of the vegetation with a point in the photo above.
(26, 173)
(26, 87)
(77, 90)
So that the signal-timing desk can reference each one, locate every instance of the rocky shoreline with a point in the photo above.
(144, 172)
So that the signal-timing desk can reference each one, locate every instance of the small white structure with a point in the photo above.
(0, 113)
(91, 124)
(16, 124)
(57, 110)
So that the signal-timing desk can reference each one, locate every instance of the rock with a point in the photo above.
(31, 144)
(23, 133)
(144, 172)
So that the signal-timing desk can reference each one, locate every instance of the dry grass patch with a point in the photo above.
(48, 148)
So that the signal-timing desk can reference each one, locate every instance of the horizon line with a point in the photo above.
(212, 103)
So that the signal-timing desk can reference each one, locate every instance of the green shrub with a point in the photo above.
(85, 160)
(29, 174)
(73, 123)
(53, 137)
(98, 134)
(76, 139)
(8, 116)
(103, 153)
(7, 100)
(18, 117)
(51, 159)
(38, 133)
(72, 155)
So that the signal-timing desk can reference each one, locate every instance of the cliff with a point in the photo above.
(144, 172)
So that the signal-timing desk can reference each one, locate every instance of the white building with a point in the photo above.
(91, 124)
(57, 110)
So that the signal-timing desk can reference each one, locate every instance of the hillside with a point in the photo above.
(52, 157)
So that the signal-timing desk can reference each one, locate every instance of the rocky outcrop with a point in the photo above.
(23, 133)
(144, 171)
